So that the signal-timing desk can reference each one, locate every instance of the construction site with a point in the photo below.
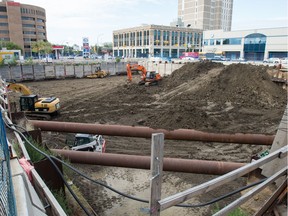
(208, 97)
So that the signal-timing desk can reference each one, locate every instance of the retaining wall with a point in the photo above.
(62, 71)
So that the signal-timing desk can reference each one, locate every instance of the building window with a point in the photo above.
(232, 41)
(40, 27)
(205, 42)
(218, 42)
(255, 43)
(211, 42)
(40, 13)
(3, 24)
(190, 39)
(4, 39)
(28, 18)
(40, 20)
(3, 17)
(165, 38)
(182, 38)
(29, 32)
(157, 35)
(28, 25)
(175, 38)
(4, 32)
(3, 9)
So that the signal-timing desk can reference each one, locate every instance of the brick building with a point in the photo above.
(22, 24)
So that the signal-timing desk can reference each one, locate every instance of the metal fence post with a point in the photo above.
(157, 152)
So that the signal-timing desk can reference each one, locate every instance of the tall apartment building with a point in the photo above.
(206, 14)
(22, 24)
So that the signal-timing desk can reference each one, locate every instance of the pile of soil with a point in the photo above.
(205, 96)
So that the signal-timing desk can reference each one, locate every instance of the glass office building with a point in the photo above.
(156, 41)
(253, 45)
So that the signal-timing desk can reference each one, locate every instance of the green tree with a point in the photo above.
(41, 47)
(10, 46)
(107, 45)
(107, 48)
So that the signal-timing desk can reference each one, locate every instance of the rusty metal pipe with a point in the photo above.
(143, 162)
(146, 132)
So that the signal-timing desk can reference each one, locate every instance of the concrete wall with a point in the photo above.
(42, 72)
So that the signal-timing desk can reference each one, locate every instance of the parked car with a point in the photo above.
(272, 60)
(47, 60)
(241, 60)
(71, 57)
(284, 63)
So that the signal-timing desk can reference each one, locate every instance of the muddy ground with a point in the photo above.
(211, 97)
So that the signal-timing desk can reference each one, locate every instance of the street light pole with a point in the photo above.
(98, 40)
(30, 48)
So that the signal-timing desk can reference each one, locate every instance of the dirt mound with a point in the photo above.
(213, 97)
(188, 72)
(205, 96)
(244, 85)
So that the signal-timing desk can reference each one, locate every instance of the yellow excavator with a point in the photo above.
(33, 106)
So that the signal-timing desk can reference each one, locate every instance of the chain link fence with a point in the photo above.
(7, 198)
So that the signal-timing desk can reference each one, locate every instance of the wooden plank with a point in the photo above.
(250, 193)
(19, 139)
(47, 194)
(208, 186)
(280, 140)
(157, 147)
(270, 203)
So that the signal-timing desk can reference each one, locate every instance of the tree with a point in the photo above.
(10, 46)
(41, 47)
(107, 45)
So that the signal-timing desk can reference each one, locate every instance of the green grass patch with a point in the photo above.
(235, 212)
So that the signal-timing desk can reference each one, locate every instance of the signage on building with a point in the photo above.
(57, 47)
(190, 54)
(13, 4)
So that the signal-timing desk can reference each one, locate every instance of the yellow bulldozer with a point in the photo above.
(98, 73)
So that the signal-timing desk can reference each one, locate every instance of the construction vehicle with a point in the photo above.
(147, 77)
(33, 106)
(88, 142)
(98, 73)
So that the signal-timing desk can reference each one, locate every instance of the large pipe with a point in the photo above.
(145, 132)
(143, 162)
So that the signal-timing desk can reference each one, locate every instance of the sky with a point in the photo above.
(68, 21)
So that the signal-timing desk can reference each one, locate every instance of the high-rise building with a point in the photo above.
(206, 14)
(22, 24)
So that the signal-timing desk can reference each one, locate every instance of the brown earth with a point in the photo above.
(239, 98)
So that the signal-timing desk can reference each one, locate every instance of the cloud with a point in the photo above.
(73, 20)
